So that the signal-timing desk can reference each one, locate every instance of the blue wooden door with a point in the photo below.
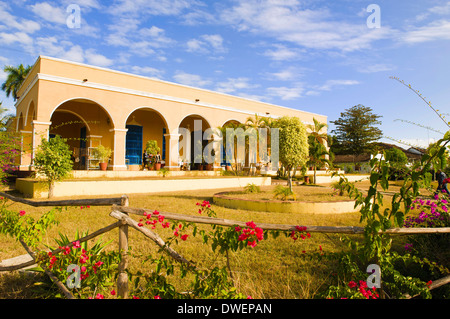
(134, 145)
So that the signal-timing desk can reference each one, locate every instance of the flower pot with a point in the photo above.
(209, 167)
(157, 166)
(200, 167)
(103, 166)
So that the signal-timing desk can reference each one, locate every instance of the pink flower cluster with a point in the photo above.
(157, 219)
(364, 290)
(426, 218)
(251, 234)
(204, 205)
(177, 231)
(299, 230)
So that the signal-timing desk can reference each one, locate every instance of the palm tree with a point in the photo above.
(317, 149)
(15, 78)
(256, 123)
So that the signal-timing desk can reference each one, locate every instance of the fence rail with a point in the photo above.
(68, 202)
(120, 210)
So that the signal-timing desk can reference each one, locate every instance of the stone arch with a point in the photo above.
(145, 123)
(85, 124)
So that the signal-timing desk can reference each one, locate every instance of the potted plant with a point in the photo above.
(103, 154)
(153, 149)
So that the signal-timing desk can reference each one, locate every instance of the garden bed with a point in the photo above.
(309, 200)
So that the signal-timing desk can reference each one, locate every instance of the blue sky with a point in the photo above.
(318, 56)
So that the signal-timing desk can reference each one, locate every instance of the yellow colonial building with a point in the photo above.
(91, 106)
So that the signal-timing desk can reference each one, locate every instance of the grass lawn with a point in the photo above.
(275, 268)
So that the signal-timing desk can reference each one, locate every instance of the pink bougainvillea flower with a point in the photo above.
(251, 243)
(99, 296)
(66, 250)
(22, 212)
(155, 212)
(157, 297)
(113, 292)
(251, 224)
(77, 244)
(184, 237)
(352, 284)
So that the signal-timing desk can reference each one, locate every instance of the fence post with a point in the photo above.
(122, 279)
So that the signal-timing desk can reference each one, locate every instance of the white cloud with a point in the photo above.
(54, 47)
(157, 37)
(16, 37)
(193, 80)
(22, 25)
(283, 53)
(436, 30)
(49, 13)
(287, 74)
(75, 54)
(308, 28)
(97, 59)
(443, 9)
(150, 7)
(147, 71)
(127, 33)
(94, 4)
(233, 84)
(206, 43)
(286, 93)
(376, 67)
(329, 84)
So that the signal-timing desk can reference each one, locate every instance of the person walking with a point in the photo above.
(440, 177)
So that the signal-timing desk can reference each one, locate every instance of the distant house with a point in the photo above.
(360, 163)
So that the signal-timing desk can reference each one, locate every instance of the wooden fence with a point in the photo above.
(121, 211)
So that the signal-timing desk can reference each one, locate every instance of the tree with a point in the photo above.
(53, 160)
(229, 145)
(397, 163)
(256, 123)
(396, 156)
(293, 144)
(14, 79)
(9, 147)
(318, 152)
(356, 130)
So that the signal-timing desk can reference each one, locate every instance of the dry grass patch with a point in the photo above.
(276, 268)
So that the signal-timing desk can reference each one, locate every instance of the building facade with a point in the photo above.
(91, 106)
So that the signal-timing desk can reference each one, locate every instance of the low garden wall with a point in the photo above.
(278, 206)
(33, 188)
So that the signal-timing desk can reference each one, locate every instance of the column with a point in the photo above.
(26, 150)
(40, 130)
(120, 138)
(172, 148)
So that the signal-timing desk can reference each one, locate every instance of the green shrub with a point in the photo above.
(252, 188)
